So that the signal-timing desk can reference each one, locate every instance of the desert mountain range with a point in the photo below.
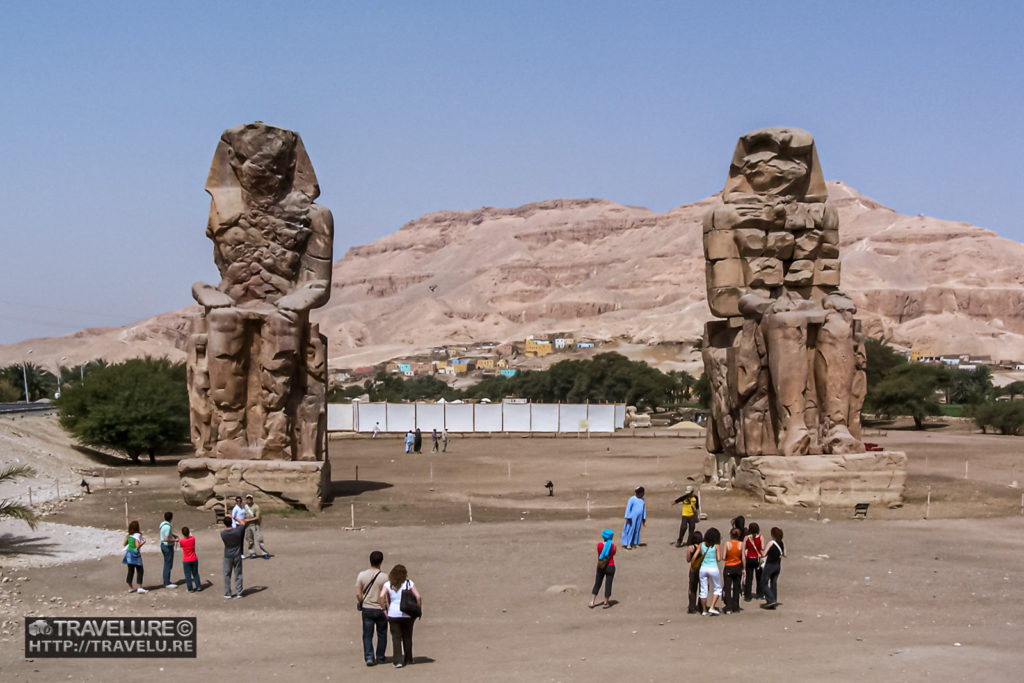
(604, 271)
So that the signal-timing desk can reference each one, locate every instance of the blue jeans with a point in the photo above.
(168, 550)
(191, 574)
(374, 619)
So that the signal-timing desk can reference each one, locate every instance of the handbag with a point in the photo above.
(408, 604)
(696, 561)
(366, 591)
(603, 564)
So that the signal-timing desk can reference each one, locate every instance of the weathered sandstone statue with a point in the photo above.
(786, 360)
(256, 366)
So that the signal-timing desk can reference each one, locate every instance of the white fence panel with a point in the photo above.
(570, 415)
(620, 415)
(459, 417)
(401, 417)
(430, 416)
(544, 417)
(488, 417)
(517, 417)
(340, 417)
(369, 414)
(602, 417)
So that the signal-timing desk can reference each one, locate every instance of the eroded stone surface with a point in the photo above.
(876, 477)
(274, 483)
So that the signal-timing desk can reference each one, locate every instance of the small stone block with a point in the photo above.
(750, 241)
(800, 274)
(719, 244)
(725, 273)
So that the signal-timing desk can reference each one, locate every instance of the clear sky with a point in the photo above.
(111, 112)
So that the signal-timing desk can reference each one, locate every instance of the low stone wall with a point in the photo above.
(876, 477)
(274, 483)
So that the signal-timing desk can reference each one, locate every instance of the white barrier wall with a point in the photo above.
(475, 417)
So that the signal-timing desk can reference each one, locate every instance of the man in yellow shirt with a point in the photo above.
(691, 511)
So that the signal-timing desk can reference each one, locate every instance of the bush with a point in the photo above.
(139, 406)
(1006, 417)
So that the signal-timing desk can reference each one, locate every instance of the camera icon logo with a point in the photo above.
(40, 627)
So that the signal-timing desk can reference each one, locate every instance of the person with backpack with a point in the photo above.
(753, 545)
(773, 555)
(400, 621)
(692, 552)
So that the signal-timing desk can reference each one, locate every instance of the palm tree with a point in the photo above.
(12, 509)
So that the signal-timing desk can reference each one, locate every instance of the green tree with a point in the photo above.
(969, 386)
(881, 359)
(1013, 389)
(8, 392)
(702, 389)
(1007, 417)
(135, 407)
(910, 390)
(41, 382)
(12, 509)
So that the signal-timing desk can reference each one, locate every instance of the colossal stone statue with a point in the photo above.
(787, 362)
(256, 366)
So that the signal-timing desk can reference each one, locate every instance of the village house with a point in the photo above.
(537, 347)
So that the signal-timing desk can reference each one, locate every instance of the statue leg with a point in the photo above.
(226, 367)
(786, 338)
(311, 418)
(835, 368)
(281, 339)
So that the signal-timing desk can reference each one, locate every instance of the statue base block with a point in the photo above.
(875, 477)
(275, 483)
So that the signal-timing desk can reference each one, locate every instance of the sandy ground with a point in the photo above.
(895, 598)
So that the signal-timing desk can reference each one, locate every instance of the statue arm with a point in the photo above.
(210, 296)
(315, 277)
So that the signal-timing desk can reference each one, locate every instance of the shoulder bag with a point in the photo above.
(409, 605)
(366, 591)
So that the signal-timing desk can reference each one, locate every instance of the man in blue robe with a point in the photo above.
(636, 517)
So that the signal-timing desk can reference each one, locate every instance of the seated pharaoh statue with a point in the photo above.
(786, 360)
(256, 366)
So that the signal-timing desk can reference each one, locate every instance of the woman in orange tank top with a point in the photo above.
(733, 571)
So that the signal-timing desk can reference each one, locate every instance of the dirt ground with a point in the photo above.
(896, 597)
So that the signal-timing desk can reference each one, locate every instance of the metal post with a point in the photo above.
(928, 503)
(24, 378)
(470, 511)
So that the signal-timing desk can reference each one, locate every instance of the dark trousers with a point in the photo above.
(694, 584)
(771, 582)
(374, 620)
(134, 570)
(401, 639)
(168, 550)
(607, 575)
(191, 575)
(753, 569)
(686, 528)
(733, 578)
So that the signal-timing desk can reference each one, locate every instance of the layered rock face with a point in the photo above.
(604, 270)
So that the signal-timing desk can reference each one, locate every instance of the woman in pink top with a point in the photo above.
(189, 561)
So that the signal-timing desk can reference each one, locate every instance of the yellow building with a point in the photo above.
(918, 354)
(538, 347)
(484, 363)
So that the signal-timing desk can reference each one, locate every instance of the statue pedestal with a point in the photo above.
(276, 483)
(875, 477)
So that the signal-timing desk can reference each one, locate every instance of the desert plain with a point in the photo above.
(895, 597)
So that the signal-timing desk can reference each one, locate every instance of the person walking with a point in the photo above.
(444, 440)
(709, 572)
(636, 517)
(773, 555)
(369, 585)
(418, 441)
(190, 561)
(691, 512)
(605, 568)
(376, 430)
(133, 543)
(254, 529)
(167, 541)
(692, 551)
(733, 571)
(409, 438)
(233, 537)
(753, 546)
(433, 435)
(400, 623)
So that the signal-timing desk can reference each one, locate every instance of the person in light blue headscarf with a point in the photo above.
(636, 517)
(605, 568)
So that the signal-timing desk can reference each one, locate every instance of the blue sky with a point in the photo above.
(111, 113)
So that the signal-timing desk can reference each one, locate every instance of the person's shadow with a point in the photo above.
(423, 660)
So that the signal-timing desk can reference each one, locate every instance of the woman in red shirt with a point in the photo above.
(605, 568)
(189, 561)
(753, 546)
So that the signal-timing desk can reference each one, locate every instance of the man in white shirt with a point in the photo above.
(237, 513)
